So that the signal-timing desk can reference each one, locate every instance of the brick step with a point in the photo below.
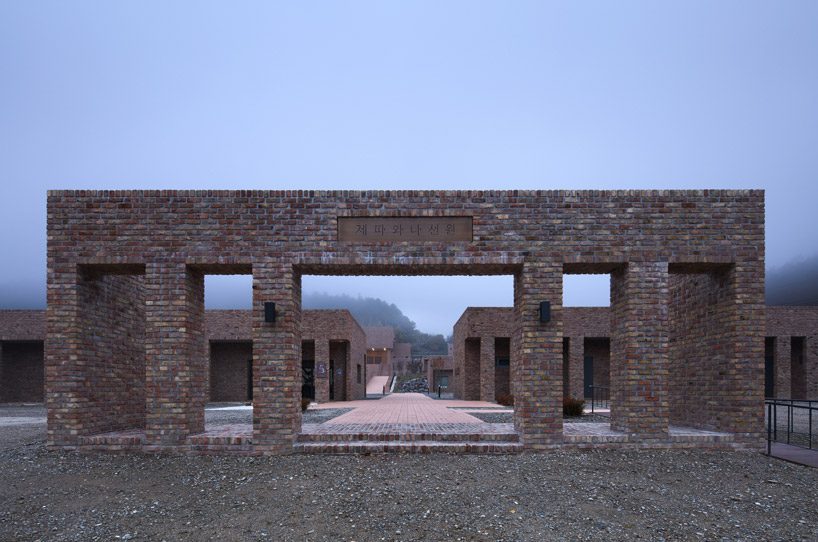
(476, 437)
(424, 447)
(220, 440)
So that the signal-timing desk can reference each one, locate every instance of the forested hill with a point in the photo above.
(794, 284)
(370, 311)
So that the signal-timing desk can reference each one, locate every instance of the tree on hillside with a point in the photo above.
(370, 311)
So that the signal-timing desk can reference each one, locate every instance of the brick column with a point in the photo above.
(743, 382)
(536, 382)
(576, 366)
(487, 368)
(64, 398)
(783, 367)
(175, 353)
(276, 358)
(639, 350)
(322, 380)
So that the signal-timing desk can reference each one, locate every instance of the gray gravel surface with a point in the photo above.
(563, 495)
(598, 495)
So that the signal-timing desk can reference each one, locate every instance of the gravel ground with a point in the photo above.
(593, 495)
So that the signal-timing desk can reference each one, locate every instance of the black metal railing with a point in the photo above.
(790, 421)
(600, 397)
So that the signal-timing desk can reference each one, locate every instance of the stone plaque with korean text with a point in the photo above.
(371, 229)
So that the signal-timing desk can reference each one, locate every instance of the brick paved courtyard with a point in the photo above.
(403, 422)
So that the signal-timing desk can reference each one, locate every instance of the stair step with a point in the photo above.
(477, 437)
(367, 447)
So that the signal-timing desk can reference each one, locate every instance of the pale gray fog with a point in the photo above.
(374, 95)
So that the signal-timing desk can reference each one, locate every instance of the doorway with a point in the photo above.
(588, 378)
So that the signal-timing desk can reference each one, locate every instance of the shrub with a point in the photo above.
(305, 403)
(505, 399)
(572, 407)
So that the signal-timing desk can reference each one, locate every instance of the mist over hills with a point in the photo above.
(370, 311)
(795, 283)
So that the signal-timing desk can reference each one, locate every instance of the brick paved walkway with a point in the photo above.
(405, 408)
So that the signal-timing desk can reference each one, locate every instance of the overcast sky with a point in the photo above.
(405, 95)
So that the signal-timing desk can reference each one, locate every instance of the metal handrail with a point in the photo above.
(798, 427)
(600, 395)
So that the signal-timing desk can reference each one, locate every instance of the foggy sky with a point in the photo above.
(378, 95)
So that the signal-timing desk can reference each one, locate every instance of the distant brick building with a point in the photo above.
(439, 373)
(21, 356)
(126, 297)
(791, 356)
(332, 339)
(384, 355)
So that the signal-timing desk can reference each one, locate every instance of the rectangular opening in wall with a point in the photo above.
(229, 347)
(502, 370)
(111, 303)
(21, 372)
(769, 367)
(798, 368)
(587, 329)
(700, 350)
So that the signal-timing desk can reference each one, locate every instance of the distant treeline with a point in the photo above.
(369, 311)
(794, 284)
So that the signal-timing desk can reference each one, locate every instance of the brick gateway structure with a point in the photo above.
(126, 295)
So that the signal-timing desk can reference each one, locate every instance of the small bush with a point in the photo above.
(305, 404)
(505, 399)
(572, 407)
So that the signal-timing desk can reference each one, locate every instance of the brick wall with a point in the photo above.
(229, 365)
(280, 235)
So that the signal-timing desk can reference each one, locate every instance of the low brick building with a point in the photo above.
(481, 342)
(791, 356)
(21, 356)
(439, 373)
(791, 353)
(338, 364)
(332, 338)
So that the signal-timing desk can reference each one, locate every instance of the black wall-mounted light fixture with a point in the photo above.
(545, 311)
(269, 312)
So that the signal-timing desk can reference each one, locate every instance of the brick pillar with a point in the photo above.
(537, 369)
(175, 353)
(487, 368)
(276, 358)
(64, 398)
(783, 367)
(639, 350)
(322, 377)
(576, 366)
(742, 411)
(811, 365)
